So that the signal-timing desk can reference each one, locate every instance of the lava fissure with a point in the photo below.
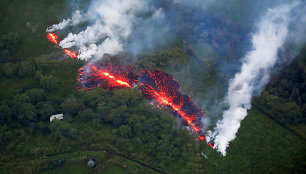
(52, 37)
(163, 90)
(104, 76)
(158, 87)
(71, 53)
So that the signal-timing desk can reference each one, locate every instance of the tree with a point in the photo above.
(92, 97)
(45, 110)
(26, 111)
(164, 58)
(49, 82)
(126, 97)
(1, 70)
(87, 114)
(119, 115)
(72, 105)
(27, 68)
(292, 113)
(125, 131)
(105, 105)
(9, 44)
(10, 69)
(35, 95)
(41, 62)
(286, 112)
(5, 113)
(20, 99)
(5, 134)
(136, 122)
(61, 130)
(59, 161)
(43, 127)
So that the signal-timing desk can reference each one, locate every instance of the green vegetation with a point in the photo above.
(119, 129)
(262, 146)
(284, 98)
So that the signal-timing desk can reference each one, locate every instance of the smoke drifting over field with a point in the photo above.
(254, 74)
(110, 27)
(239, 39)
(270, 25)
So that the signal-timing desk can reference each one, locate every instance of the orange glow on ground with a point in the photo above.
(111, 78)
(70, 53)
(52, 38)
(162, 89)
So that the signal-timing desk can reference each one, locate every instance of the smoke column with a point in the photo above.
(254, 74)
(75, 20)
(109, 26)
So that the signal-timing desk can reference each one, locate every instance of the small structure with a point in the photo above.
(203, 154)
(91, 163)
(57, 116)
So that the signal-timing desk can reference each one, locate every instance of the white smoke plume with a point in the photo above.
(75, 20)
(254, 74)
(111, 23)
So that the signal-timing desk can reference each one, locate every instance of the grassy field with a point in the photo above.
(77, 168)
(261, 146)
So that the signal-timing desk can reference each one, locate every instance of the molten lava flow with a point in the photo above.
(158, 87)
(70, 53)
(52, 38)
(163, 90)
(93, 76)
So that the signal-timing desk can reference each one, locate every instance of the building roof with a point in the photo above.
(57, 116)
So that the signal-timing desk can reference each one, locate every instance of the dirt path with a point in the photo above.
(108, 151)
(131, 159)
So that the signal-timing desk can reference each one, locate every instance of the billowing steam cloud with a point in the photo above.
(254, 74)
(110, 24)
(75, 20)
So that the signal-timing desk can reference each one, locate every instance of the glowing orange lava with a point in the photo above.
(158, 87)
(104, 74)
(70, 53)
(110, 77)
(163, 100)
(163, 90)
(52, 38)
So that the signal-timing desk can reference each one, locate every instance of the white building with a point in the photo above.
(57, 116)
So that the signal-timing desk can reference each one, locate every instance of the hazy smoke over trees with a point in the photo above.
(109, 27)
(254, 75)
(241, 38)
